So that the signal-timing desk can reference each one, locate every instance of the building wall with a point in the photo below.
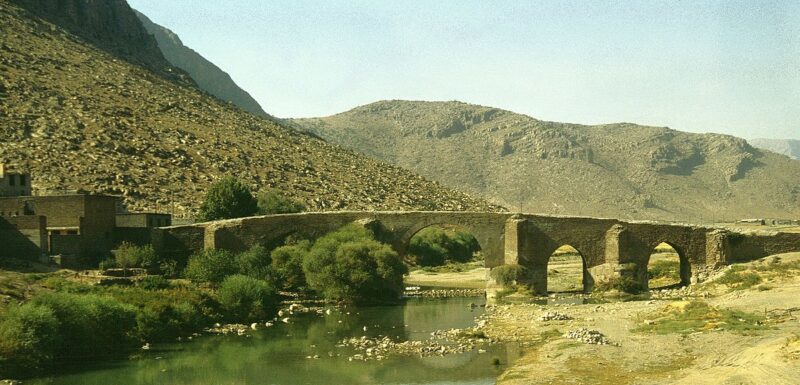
(144, 220)
(23, 237)
(14, 184)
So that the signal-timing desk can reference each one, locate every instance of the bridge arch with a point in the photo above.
(566, 271)
(655, 260)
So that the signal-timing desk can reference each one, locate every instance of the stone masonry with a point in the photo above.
(609, 248)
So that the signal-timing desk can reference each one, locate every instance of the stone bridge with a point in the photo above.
(609, 248)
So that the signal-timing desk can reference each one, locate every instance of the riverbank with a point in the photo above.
(742, 330)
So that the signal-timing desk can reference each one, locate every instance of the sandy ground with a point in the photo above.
(473, 279)
(769, 356)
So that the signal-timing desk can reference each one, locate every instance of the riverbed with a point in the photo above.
(308, 350)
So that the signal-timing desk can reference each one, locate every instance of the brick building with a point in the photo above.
(77, 225)
(14, 183)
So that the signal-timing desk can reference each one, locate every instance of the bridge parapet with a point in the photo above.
(609, 248)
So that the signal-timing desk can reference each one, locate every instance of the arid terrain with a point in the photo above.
(620, 170)
(722, 332)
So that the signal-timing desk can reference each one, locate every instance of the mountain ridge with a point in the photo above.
(613, 170)
(208, 76)
(788, 147)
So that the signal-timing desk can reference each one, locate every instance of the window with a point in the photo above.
(72, 232)
(12, 180)
(22, 180)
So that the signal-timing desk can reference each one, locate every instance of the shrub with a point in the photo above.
(256, 263)
(664, 269)
(172, 312)
(28, 339)
(227, 198)
(273, 202)
(508, 275)
(433, 246)
(153, 282)
(737, 278)
(129, 255)
(245, 298)
(287, 264)
(210, 266)
(89, 325)
(350, 265)
(108, 263)
(429, 247)
(624, 284)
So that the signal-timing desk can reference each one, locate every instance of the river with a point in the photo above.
(280, 354)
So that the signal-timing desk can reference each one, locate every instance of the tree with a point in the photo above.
(211, 266)
(247, 299)
(433, 246)
(287, 263)
(255, 263)
(227, 198)
(350, 265)
(273, 202)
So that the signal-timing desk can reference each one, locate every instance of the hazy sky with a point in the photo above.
(703, 66)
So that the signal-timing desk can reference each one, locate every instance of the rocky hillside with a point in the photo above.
(617, 170)
(110, 25)
(788, 147)
(79, 117)
(208, 76)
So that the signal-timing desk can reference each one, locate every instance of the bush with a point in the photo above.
(433, 246)
(624, 284)
(210, 266)
(273, 202)
(227, 198)
(256, 263)
(173, 311)
(350, 265)
(129, 255)
(287, 264)
(108, 263)
(664, 269)
(247, 299)
(153, 282)
(90, 326)
(738, 279)
(28, 339)
(508, 275)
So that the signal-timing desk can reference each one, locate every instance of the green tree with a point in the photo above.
(211, 266)
(28, 339)
(129, 255)
(256, 263)
(433, 246)
(287, 263)
(273, 201)
(227, 198)
(247, 299)
(350, 265)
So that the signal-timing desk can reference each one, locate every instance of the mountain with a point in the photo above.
(78, 116)
(788, 147)
(616, 170)
(110, 25)
(208, 76)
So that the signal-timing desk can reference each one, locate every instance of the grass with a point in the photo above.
(698, 316)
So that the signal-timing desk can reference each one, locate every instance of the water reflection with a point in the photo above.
(278, 355)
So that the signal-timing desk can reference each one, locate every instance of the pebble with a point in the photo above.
(588, 336)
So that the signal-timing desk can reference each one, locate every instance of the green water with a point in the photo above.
(278, 355)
